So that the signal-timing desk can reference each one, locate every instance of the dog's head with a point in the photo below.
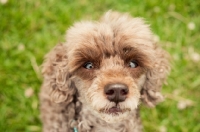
(113, 64)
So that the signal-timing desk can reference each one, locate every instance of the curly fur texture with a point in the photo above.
(72, 96)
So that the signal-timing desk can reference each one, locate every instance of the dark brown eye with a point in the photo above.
(133, 64)
(88, 65)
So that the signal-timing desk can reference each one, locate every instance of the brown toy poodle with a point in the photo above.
(95, 81)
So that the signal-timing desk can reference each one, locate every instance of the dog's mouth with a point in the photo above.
(114, 110)
(114, 114)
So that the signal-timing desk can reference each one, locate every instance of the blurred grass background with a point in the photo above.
(30, 28)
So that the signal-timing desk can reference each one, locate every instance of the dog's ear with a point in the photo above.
(56, 75)
(155, 77)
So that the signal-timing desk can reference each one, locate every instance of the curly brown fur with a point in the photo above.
(120, 50)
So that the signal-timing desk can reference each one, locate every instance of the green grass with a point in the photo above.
(29, 29)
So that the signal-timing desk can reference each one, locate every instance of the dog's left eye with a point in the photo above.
(88, 65)
(133, 64)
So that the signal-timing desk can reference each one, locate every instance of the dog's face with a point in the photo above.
(109, 64)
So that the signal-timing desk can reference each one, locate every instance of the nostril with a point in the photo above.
(110, 92)
(124, 92)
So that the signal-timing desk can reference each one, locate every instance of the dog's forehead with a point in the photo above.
(114, 29)
(105, 39)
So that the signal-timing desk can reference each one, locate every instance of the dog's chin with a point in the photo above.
(114, 114)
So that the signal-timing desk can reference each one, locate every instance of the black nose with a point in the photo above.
(116, 92)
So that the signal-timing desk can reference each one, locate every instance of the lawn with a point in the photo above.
(30, 28)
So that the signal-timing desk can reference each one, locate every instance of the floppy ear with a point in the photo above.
(56, 75)
(155, 77)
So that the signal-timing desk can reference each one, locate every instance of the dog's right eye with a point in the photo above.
(88, 65)
(133, 64)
